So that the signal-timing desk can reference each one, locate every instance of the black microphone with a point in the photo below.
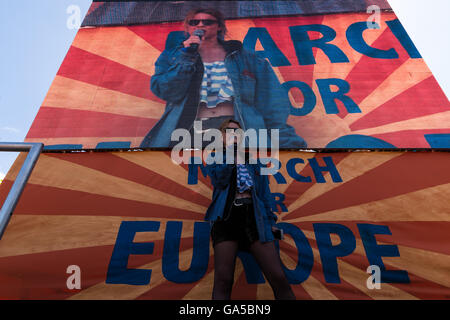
(199, 33)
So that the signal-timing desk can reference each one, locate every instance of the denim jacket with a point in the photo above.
(220, 175)
(259, 102)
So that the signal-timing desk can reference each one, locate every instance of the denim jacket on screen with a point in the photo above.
(259, 102)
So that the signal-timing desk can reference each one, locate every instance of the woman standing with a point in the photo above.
(242, 219)
(207, 79)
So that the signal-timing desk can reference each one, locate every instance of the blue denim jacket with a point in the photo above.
(259, 103)
(220, 175)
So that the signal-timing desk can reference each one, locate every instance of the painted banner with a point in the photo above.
(350, 80)
(130, 225)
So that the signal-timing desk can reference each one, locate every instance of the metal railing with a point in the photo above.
(34, 150)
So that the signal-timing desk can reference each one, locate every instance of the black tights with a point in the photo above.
(268, 260)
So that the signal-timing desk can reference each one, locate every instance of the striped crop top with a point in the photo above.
(244, 180)
(216, 85)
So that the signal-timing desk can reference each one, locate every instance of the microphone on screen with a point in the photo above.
(199, 33)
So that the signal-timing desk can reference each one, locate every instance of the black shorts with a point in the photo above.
(239, 226)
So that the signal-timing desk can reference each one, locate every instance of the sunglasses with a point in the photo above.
(231, 130)
(206, 22)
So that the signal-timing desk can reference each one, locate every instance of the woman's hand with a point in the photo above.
(192, 39)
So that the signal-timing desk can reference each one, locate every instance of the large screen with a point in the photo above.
(325, 75)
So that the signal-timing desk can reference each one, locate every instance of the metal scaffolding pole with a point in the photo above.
(34, 150)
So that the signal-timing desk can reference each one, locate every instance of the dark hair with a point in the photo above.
(213, 12)
(226, 122)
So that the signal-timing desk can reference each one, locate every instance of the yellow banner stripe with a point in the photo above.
(349, 168)
(167, 168)
(30, 234)
(358, 278)
(429, 122)
(284, 157)
(104, 291)
(119, 44)
(73, 94)
(52, 172)
(198, 292)
(324, 69)
(405, 207)
(415, 261)
(237, 29)
(312, 286)
(409, 74)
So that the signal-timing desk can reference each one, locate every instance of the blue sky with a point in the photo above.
(35, 39)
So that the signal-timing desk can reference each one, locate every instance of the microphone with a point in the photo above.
(199, 33)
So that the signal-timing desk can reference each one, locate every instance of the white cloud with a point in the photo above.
(2, 175)
(11, 129)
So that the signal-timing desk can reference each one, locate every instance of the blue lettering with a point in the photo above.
(402, 36)
(118, 273)
(193, 170)
(252, 271)
(290, 167)
(309, 97)
(328, 252)
(200, 255)
(329, 167)
(271, 51)
(375, 251)
(305, 257)
(329, 97)
(279, 177)
(277, 200)
(357, 42)
(304, 45)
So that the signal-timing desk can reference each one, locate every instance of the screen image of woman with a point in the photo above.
(207, 79)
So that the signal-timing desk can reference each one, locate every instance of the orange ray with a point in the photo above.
(423, 264)
(307, 125)
(405, 207)
(167, 168)
(429, 122)
(53, 172)
(198, 291)
(73, 94)
(29, 234)
(416, 261)
(119, 44)
(312, 286)
(104, 291)
(409, 74)
(349, 168)
(357, 277)
(237, 29)
(324, 69)
(15, 167)
(264, 291)
(284, 157)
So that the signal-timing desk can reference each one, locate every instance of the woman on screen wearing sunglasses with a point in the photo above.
(207, 79)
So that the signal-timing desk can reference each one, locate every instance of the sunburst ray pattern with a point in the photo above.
(76, 208)
(101, 93)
